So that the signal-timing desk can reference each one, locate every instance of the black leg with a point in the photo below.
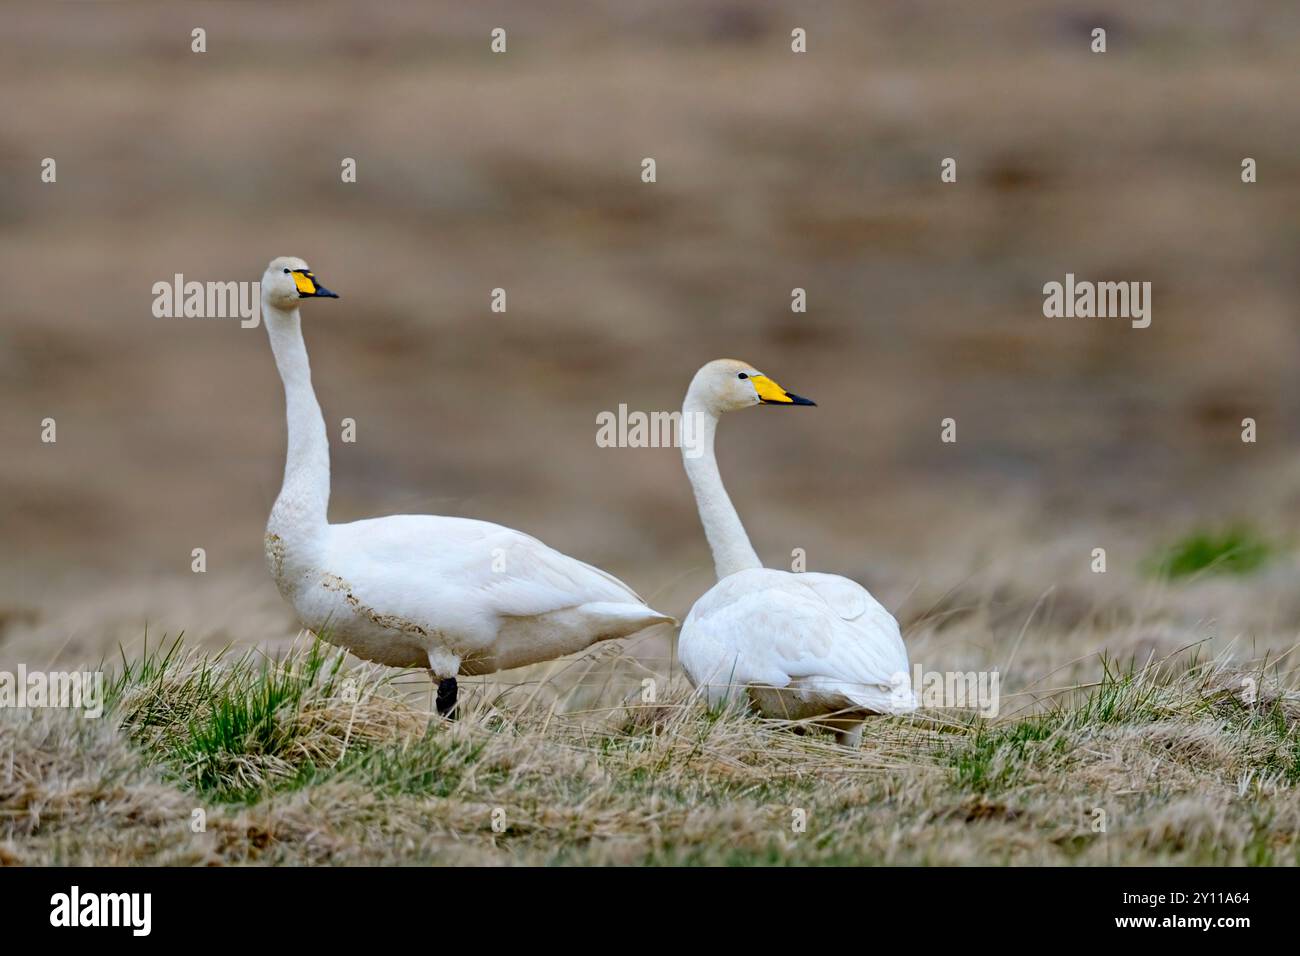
(446, 701)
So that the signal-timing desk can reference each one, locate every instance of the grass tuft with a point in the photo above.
(1237, 550)
(237, 729)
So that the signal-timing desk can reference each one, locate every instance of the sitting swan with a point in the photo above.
(800, 645)
(453, 595)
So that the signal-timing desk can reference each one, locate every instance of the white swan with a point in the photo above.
(800, 645)
(453, 595)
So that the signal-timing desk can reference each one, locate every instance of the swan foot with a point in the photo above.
(446, 699)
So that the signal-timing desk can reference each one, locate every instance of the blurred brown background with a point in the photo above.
(775, 170)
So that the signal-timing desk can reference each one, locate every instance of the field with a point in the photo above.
(306, 760)
(1147, 708)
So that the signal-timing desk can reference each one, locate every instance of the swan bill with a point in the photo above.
(770, 393)
(309, 288)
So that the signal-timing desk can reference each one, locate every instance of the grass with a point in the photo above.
(236, 729)
(307, 759)
(1237, 550)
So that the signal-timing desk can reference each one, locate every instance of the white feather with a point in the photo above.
(824, 638)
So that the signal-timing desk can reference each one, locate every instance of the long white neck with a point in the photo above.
(732, 551)
(299, 514)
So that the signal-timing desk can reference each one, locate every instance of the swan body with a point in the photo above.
(800, 645)
(421, 591)
(454, 595)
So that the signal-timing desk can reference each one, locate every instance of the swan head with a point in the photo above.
(288, 280)
(726, 385)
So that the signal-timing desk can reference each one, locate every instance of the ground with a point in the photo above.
(310, 759)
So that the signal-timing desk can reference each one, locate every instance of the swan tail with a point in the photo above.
(612, 619)
(876, 698)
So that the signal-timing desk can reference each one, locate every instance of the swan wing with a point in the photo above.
(424, 567)
(846, 597)
(773, 628)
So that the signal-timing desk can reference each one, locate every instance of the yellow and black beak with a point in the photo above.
(309, 288)
(770, 393)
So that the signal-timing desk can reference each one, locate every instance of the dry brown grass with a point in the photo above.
(1163, 764)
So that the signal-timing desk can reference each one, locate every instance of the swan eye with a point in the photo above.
(286, 271)
(742, 375)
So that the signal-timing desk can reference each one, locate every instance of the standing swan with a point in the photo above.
(801, 645)
(453, 595)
